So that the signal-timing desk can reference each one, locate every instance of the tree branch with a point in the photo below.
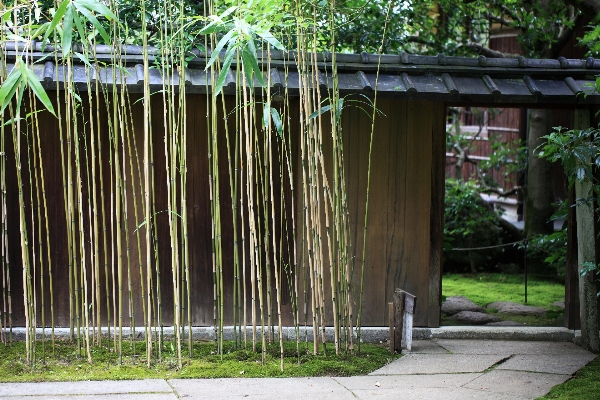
(420, 40)
(502, 21)
(591, 8)
(510, 13)
(500, 192)
(488, 189)
(564, 37)
(485, 51)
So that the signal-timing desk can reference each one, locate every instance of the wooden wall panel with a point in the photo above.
(400, 210)
(398, 234)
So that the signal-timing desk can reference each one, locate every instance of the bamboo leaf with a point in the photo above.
(217, 49)
(6, 15)
(250, 58)
(339, 108)
(93, 20)
(84, 59)
(41, 30)
(227, 12)
(320, 111)
(144, 222)
(20, 97)
(217, 25)
(60, 12)
(13, 37)
(98, 7)
(37, 88)
(224, 70)
(9, 87)
(79, 25)
(67, 34)
(266, 115)
(268, 36)
(277, 121)
(12, 120)
(247, 68)
(212, 28)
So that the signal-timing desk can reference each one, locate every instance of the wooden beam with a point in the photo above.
(586, 252)
(436, 215)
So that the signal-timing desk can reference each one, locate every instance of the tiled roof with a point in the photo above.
(452, 79)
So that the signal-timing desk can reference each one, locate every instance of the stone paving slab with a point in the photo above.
(439, 364)
(115, 396)
(547, 363)
(407, 381)
(85, 388)
(428, 393)
(523, 333)
(529, 385)
(425, 347)
(260, 388)
(511, 347)
(438, 369)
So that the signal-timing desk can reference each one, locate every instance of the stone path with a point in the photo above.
(465, 311)
(440, 369)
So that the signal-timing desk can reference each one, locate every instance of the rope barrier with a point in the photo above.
(504, 245)
(487, 247)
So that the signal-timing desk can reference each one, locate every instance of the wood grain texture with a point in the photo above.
(402, 243)
(436, 230)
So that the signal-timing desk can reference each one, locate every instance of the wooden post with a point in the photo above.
(586, 252)
(391, 324)
(398, 316)
(403, 312)
(407, 326)
(572, 306)
(436, 216)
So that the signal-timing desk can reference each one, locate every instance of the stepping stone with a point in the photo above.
(456, 304)
(505, 307)
(560, 320)
(474, 318)
(504, 323)
(559, 304)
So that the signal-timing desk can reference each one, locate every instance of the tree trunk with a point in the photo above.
(540, 193)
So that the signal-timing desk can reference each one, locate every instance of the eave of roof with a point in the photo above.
(505, 81)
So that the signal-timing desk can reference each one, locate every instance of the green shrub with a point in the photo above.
(469, 222)
(551, 249)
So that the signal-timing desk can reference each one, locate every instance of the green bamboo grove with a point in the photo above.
(273, 167)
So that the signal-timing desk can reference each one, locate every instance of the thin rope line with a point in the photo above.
(488, 247)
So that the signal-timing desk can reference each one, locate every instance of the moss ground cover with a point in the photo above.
(484, 289)
(68, 364)
(585, 384)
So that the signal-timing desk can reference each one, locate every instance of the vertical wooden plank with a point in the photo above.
(572, 320)
(357, 129)
(418, 199)
(586, 252)
(379, 199)
(396, 271)
(436, 230)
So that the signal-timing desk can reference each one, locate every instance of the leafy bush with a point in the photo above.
(552, 249)
(579, 153)
(468, 222)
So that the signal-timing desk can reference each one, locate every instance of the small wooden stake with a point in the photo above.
(398, 319)
(409, 310)
(391, 324)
